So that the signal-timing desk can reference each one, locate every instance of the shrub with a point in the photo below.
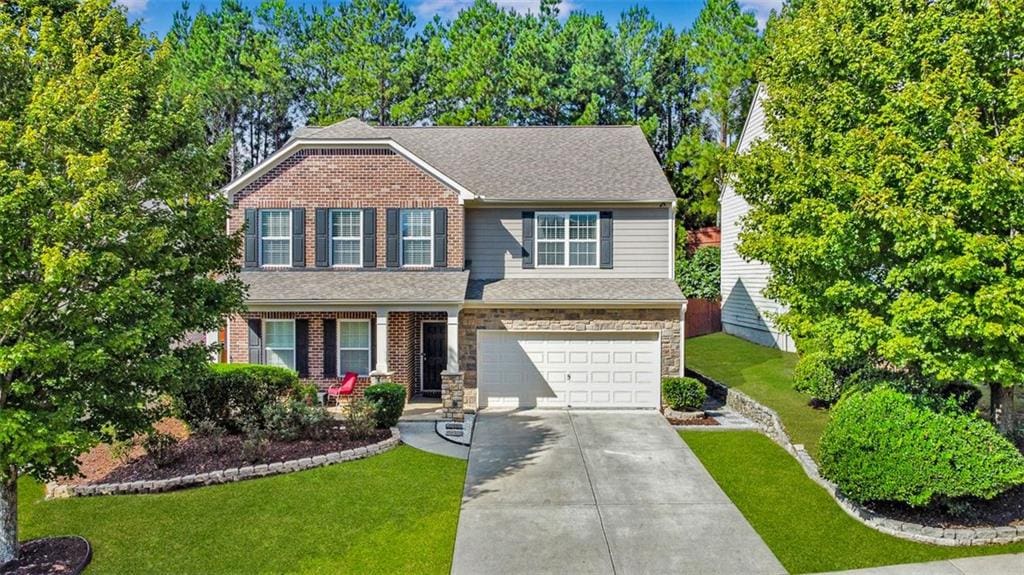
(388, 401)
(884, 445)
(213, 433)
(963, 395)
(305, 392)
(290, 421)
(814, 376)
(256, 444)
(229, 394)
(698, 275)
(683, 393)
(161, 447)
(360, 419)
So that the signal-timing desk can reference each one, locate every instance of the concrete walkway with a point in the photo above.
(596, 492)
(990, 565)
(423, 435)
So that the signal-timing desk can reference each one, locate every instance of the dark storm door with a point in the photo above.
(435, 355)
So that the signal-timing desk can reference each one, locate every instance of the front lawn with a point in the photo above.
(392, 513)
(799, 520)
(764, 374)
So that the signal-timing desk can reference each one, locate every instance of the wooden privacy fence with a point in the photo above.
(703, 316)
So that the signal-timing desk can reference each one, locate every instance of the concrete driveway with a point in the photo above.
(596, 492)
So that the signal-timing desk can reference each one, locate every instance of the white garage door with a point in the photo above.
(551, 369)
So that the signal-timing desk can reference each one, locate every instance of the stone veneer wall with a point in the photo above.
(771, 425)
(578, 320)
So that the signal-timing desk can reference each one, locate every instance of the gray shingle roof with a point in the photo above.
(589, 163)
(353, 287)
(525, 290)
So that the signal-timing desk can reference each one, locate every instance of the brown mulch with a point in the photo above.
(198, 455)
(98, 462)
(1006, 509)
(52, 555)
(694, 421)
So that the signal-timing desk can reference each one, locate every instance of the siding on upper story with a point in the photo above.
(642, 243)
(745, 310)
(351, 178)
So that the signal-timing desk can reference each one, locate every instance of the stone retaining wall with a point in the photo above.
(768, 422)
(55, 491)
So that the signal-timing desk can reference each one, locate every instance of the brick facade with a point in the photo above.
(578, 320)
(351, 178)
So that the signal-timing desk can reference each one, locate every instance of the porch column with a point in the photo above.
(453, 342)
(381, 364)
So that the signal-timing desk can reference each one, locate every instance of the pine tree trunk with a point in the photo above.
(1002, 412)
(8, 515)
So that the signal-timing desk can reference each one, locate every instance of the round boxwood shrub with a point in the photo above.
(884, 445)
(233, 394)
(682, 393)
(388, 400)
(814, 376)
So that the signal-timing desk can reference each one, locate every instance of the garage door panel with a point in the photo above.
(553, 369)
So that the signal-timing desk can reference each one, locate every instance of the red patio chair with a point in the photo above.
(345, 388)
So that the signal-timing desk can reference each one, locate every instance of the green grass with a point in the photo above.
(764, 374)
(799, 521)
(393, 513)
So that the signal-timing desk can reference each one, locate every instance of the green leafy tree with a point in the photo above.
(887, 199)
(112, 238)
(636, 43)
(588, 86)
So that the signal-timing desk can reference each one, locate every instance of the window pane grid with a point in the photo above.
(567, 239)
(354, 347)
(279, 342)
(275, 237)
(417, 237)
(346, 237)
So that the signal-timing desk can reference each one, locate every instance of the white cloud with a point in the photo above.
(761, 9)
(449, 8)
(134, 6)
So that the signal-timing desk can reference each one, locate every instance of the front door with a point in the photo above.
(435, 355)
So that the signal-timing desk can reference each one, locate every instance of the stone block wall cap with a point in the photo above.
(376, 373)
(450, 373)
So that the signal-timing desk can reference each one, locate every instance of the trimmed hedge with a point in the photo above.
(388, 400)
(233, 394)
(683, 393)
(883, 445)
(814, 376)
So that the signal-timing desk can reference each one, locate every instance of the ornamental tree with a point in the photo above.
(112, 238)
(889, 195)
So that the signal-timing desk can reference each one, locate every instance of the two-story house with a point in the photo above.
(511, 266)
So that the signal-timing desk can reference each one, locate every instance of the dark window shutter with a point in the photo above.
(370, 238)
(606, 240)
(302, 347)
(330, 348)
(251, 238)
(392, 237)
(299, 237)
(322, 225)
(255, 340)
(440, 237)
(528, 243)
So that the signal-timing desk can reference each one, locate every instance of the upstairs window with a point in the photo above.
(279, 342)
(276, 237)
(417, 237)
(567, 239)
(347, 238)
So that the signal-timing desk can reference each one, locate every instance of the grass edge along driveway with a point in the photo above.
(799, 520)
(763, 373)
(391, 513)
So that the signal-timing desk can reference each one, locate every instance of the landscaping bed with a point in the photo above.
(204, 454)
(50, 555)
(1006, 509)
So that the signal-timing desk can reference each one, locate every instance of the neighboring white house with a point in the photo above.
(746, 312)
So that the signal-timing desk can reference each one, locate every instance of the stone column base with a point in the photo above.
(452, 396)
(379, 377)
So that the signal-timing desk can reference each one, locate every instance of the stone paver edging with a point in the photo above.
(54, 491)
(768, 422)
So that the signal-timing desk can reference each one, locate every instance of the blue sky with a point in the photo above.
(156, 14)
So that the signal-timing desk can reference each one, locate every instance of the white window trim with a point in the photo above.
(402, 238)
(566, 241)
(359, 238)
(267, 347)
(369, 345)
(259, 215)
